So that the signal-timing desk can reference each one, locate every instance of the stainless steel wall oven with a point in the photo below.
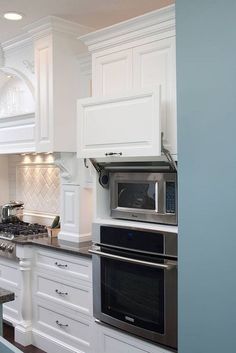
(135, 281)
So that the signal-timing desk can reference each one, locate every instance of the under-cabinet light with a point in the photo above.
(13, 16)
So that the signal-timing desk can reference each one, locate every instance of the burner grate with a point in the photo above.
(13, 230)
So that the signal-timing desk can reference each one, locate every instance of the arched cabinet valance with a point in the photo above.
(17, 112)
(16, 94)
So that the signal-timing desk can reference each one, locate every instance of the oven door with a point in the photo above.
(136, 293)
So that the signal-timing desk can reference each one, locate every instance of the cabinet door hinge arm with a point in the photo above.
(167, 154)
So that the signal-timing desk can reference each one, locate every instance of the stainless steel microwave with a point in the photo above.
(143, 196)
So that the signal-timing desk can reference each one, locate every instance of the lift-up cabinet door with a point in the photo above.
(122, 126)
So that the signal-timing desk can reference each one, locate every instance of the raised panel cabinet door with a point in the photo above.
(112, 73)
(155, 64)
(44, 94)
(119, 126)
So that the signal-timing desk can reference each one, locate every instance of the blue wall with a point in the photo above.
(206, 87)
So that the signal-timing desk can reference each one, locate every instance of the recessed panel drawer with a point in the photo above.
(70, 329)
(77, 297)
(72, 266)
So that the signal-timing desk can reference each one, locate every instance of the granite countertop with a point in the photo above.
(6, 296)
(61, 245)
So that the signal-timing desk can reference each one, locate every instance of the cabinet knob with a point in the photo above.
(113, 154)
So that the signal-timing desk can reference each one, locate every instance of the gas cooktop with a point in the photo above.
(21, 229)
(17, 229)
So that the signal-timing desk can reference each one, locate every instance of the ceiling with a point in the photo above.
(92, 13)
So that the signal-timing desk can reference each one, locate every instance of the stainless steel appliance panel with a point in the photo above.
(136, 291)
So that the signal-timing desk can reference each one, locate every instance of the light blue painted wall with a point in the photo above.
(206, 88)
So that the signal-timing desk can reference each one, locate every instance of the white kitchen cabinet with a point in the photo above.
(57, 83)
(112, 74)
(60, 264)
(10, 279)
(58, 330)
(135, 54)
(123, 126)
(42, 118)
(115, 341)
(154, 64)
(76, 297)
(17, 134)
(62, 302)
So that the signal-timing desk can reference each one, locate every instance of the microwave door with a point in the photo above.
(136, 196)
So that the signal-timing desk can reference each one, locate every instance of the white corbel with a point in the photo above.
(68, 164)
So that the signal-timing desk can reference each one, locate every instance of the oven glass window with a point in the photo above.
(133, 294)
(137, 195)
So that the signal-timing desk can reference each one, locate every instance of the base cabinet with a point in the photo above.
(61, 319)
(110, 340)
(10, 279)
(62, 303)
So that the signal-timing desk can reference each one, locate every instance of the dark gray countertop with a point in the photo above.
(6, 296)
(53, 243)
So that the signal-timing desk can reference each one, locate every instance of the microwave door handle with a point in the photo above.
(169, 266)
(156, 196)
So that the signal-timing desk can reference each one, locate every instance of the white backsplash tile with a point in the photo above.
(36, 181)
(39, 187)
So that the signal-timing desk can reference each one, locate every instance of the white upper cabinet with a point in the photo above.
(120, 126)
(133, 55)
(154, 64)
(56, 51)
(112, 73)
(44, 72)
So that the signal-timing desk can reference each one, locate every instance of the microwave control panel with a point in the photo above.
(170, 197)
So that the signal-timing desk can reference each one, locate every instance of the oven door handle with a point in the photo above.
(169, 266)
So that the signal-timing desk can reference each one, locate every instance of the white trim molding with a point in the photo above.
(158, 21)
(50, 24)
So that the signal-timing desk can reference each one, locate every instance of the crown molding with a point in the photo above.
(155, 22)
(17, 43)
(42, 27)
(50, 24)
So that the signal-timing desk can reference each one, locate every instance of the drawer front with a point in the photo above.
(70, 267)
(77, 297)
(115, 341)
(9, 274)
(70, 329)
